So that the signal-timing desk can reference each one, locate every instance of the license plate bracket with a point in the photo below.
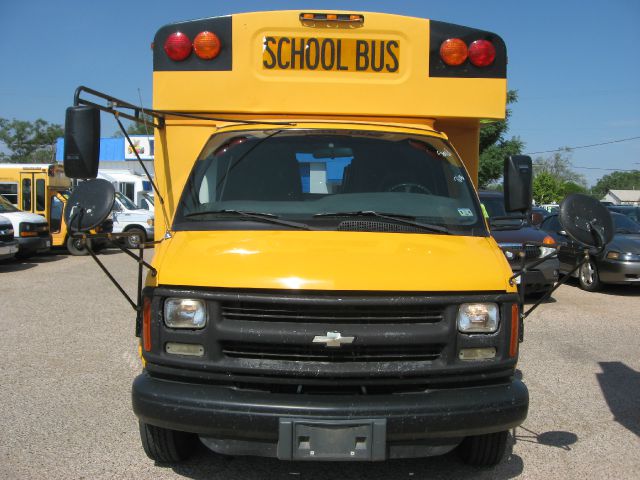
(332, 440)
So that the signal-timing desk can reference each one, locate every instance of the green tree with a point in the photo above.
(495, 147)
(617, 181)
(559, 166)
(28, 142)
(547, 188)
(572, 187)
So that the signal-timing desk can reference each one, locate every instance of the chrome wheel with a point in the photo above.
(589, 279)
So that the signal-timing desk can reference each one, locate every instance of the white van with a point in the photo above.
(134, 186)
(8, 243)
(30, 230)
(127, 217)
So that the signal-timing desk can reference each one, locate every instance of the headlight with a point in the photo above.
(185, 313)
(548, 246)
(544, 251)
(478, 318)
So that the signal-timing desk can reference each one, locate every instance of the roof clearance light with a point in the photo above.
(332, 17)
(453, 52)
(206, 45)
(482, 53)
(177, 46)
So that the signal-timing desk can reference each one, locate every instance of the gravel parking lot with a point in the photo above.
(69, 355)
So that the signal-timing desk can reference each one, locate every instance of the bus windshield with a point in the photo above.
(318, 177)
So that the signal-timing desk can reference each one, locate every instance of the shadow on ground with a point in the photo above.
(620, 386)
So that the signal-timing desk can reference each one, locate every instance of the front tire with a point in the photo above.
(588, 277)
(484, 450)
(166, 446)
(78, 246)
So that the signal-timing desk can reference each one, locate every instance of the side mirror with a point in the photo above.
(81, 142)
(518, 181)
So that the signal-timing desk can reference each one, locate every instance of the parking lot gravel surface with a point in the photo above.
(68, 357)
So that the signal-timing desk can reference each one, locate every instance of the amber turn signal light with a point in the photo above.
(453, 52)
(206, 45)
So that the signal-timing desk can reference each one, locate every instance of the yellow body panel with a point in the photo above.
(299, 260)
(409, 92)
(404, 100)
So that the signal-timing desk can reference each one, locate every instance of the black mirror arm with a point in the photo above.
(599, 237)
(137, 308)
(562, 281)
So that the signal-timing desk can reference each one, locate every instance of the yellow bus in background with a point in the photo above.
(324, 284)
(43, 189)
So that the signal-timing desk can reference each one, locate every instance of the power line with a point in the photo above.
(585, 146)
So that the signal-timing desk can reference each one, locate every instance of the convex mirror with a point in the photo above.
(89, 205)
(586, 220)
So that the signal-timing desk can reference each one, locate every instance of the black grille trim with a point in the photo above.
(351, 353)
(333, 314)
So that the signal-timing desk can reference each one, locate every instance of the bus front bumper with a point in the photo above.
(261, 423)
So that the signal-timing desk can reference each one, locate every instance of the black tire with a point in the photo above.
(137, 237)
(588, 276)
(166, 446)
(77, 246)
(484, 450)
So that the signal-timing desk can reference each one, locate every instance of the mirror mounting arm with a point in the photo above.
(136, 308)
(562, 281)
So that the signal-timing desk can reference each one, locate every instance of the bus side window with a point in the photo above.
(10, 192)
(26, 194)
(56, 214)
(40, 195)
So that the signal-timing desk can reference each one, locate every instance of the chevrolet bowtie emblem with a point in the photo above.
(333, 339)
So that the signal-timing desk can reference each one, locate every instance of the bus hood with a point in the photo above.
(331, 261)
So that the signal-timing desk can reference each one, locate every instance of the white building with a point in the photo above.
(623, 197)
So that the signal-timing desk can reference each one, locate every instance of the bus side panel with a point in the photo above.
(465, 137)
(177, 149)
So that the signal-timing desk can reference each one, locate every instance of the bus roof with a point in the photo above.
(345, 64)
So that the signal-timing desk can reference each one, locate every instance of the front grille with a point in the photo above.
(334, 314)
(6, 234)
(530, 251)
(321, 353)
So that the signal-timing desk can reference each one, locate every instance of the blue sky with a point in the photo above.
(574, 63)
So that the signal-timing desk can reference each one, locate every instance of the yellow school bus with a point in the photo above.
(43, 189)
(324, 286)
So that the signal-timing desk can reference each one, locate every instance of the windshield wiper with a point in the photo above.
(395, 217)
(260, 216)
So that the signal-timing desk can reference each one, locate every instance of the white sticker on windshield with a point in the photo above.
(459, 179)
(465, 212)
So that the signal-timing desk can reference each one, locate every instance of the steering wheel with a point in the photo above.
(409, 187)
